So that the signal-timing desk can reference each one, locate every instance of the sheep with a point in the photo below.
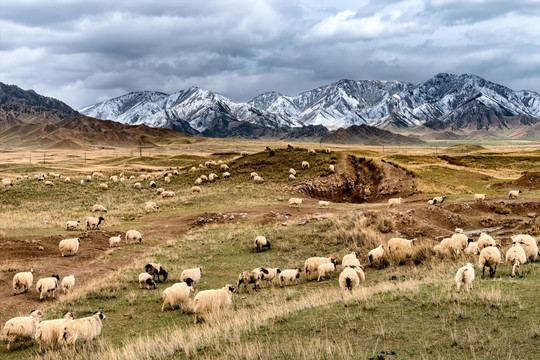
(305, 165)
(47, 287)
(201, 166)
(472, 248)
(84, 329)
(149, 208)
(204, 178)
(398, 245)
(88, 178)
(268, 274)
(224, 167)
(50, 332)
(295, 202)
(288, 276)
(253, 174)
(528, 243)
(113, 178)
(192, 169)
(99, 208)
(376, 254)
(23, 280)
(514, 194)
(152, 184)
(147, 280)
(168, 194)
(349, 279)
(350, 259)
(458, 230)
(68, 283)
(103, 186)
(331, 168)
(72, 225)
(258, 180)
(6, 183)
(244, 153)
(431, 202)
(212, 300)
(156, 269)
(261, 242)
(312, 264)
(394, 202)
(292, 177)
(115, 240)
(137, 185)
(312, 152)
(22, 327)
(49, 183)
(460, 242)
(292, 171)
(93, 222)
(490, 257)
(177, 293)
(515, 256)
(325, 269)
(133, 236)
(160, 190)
(82, 182)
(167, 180)
(226, 175)
(191, 275)
(447, 246)
(250, 277)
(484, 240)
(465, 276)
(480, 197)
(439, 199)
(67, 180)
(323, 203)
(439, 250)
(69, 247)
(198, 181)
(152, 203)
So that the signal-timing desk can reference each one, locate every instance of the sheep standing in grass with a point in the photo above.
(226, 175)
(24, 281)
(67, 180)
(460, 242)
(99, 208)
(431, 202)
(261, 242)
(176, 294)
(376, 254)
(50, 332)
(324, 204)
(213, 300)
(92, 223)
(514, 194)
(47, 287)
(439, 250)
(305, 165)
(515, 256)
(268, 274)
(490, 257)
(198, 181)
(289, 276)
(465, 276)
(51, 184)
(253, 174)
(331, 168)
(160, 191)
(292, 171)
(150, 208)
(484, 241)
(312, 264)
(82, 182)
(85, 329)
(250, 277)
(88, 178)
(195, 189)
(258, 180)
(168, 194)
(68, 284)
(115, 240)
(103, 186)
(348, 279)
(472, 248)
(212, 177)
(480, 197)
(439, 199)
(152, 184)
(224, 167)
(156, 269)
(204, 178)
(295, 202)
(292, 177)
(69, 247)
(145, 279)
(167, 179)
(312, 152)
(133, 236)
(22, 327)
(192, 275)
(400, 245)
(350, 259)
(326, 269)
(137, 185)
(72, 225)
(528, 243)
(394, 202)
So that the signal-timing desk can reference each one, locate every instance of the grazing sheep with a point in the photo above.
(514, 194)
(23, 280)
(67, 180)
(146, 280)
(258, 180)
(290, 146)
(331, 168)
(327, 150)
(72, 225)
(350, 259)
(192, 169)
(152, 184)
(167, 180)
(156, 269)
(198, 181)
(99, 208)
(312, 264)
(292, 177)
(244, 153)
(178, 293)
(6, 183)
(490, 257)
(88, 178)
(439, 250)
(528, 243)
(439, 199)
(69, 247)
(292, 171)
(213, 300)
(396, 245)
(261, 242)
(160, 191)
(114, 178)
(224, 167)
(465, 276)
(49, 183)
(323, 203)
(394, 202)
(349, 279)
(484, 241)
(150, 208)
(480, 197)
(133, 236)
(137, 185)
(376, 254)
(289, 276)
(460, 242)
(50, 332)
(472, 248)
(68, 283)
(204, 178)
(47, 287)
(447, 246)
(191, 275)
(226, 175)
(153, 204)
(295, 202)
(115, 240)
(22, 327)
(305, 165)
(326, 269)
(312, 152)
(268, 274)
(195, 189)
(84, 329)
(168, 194)
(515, 256)
(93, 223)
(103, 186)
(250, 277)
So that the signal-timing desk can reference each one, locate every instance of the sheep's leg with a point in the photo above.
(483, 270)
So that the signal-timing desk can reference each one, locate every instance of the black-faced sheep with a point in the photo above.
(261, 242)
(156, 269)
(250, 277)
(92, 223)
(72, 225)
(289, 276)
(514, 194)
(85, 329)
(145, 279)
(192, 275)
(22, 327)
(212, 300)
(47, 287)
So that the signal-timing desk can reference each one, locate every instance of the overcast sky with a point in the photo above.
(82, 52)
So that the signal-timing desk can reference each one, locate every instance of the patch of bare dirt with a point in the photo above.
(529, 180)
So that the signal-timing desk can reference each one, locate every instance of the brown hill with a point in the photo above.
(368, 135)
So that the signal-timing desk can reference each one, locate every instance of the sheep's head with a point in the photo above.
(333, 261)
(278, 270)
(469, 240)
(36, 313)
(100, 315)
(101, 218)
(189, 281)
(68, 316)
(165, 274)
(230, 288)
(151, 282)
(56, 276)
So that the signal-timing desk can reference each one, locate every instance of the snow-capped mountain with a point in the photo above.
(385, 104)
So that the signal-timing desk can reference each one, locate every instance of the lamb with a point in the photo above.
(323, 203)
(168, 194)
(258, 180)
(23, 280)
(22, 327)
(167, 180)
(115, 240)
(213, 300)
(226, 175)
(69, 247)
(133, 236)
(514, 194)
(465, 276)
(156, 269)
(261, 242)
(150, 208)
(50, 332)
(484, 241)
(472, 248)
(224, 167)
(137, 185)
(376, 254)
(400, 245)
(312, 152)
(305, 165)
(288, 276)
(47, 287)
(292, 171)
(84, 329)
(253, 174)
(72, 225)
(292, 177)
(439, 199)
(178, 293)
(67, 180)
(326, 269)
(198, 181)
(528, 243)
(196, 189)
(191, 275)
(268, 274)
(515, 256)
(93, 222)
(295, 202)
(490, 257)
(147, 280)
(99, 208)
(331, 168)
(312, 264)
(103, 186)
(350, 259)
(68, 283)
(460, 242)
(480, 197)
(250, 277)
(394, 202)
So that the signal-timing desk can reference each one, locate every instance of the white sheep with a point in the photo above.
(312, 264)
(394, 202)
(160, 191)
(268, 274)
(484, 240)
(167, 179)
(460, 242)
(69, 247)
(226, 175)
(24, 281)
(212, 177)
(152, 203)
(292, 171)
(148, 208)
(480, 197)
(50, 332)
(145, 279)
(85, 329)
(472, 248)
(177, 293)
(67, 180)
(295, 202)
(115, 240)
(82, 182)
(72, 225)
(323, 203)
(49, 183)
(398, 245)
(223, 167)
(192, 169)
(6, 183)
(68, 284)
(204, 178)
(99, 208)
(292, 177)
(305, 165)
(528, 243)
(168, 194)
(152, 184)
(327, 150)
(349, 279)
(289, 276)
(92, 223)
(212, 300)
(376, 254)
(253, 174)
(137, 185)
(198, 181)
(258, 180)
(103, 186)
(490, 257)
(133, 236)
(88, 178)
(515, 256)
(191, 275)
(350, 260)
(439, 250)
(514, 194)
(326, 269)
(261, 242)
(22, 327)
(465, 276)
(196, 189)
(312, 152)
(47, 287)
(331, 168)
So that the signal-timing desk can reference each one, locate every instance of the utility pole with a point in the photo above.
(85, 157)
(30, 157)
(383, 148)
(140, 149)
(44, 157)
(436, 150)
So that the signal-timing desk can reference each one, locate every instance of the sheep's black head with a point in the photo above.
(519, 191)
(101, 218)
(189, 281)
(100, 315)
(149, 269)
(278, 271)
(268, 244)
(151, 282)
(56, 276)
(78, 221)
(469, 240)
(140, 240)
(333, 261)
(231, 288)
(165, 274)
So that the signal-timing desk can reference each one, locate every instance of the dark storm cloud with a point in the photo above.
(88, 51)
